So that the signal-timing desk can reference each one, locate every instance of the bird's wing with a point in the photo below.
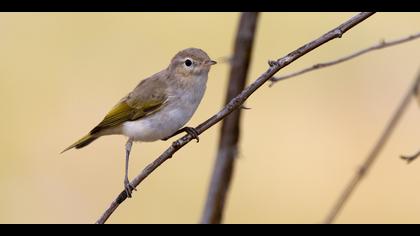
(148, 97)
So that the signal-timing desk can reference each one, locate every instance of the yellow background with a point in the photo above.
(301, 142)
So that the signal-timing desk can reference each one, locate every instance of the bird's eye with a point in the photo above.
(188, 62)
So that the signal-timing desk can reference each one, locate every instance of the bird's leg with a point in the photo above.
(127, 186)
(190, 130)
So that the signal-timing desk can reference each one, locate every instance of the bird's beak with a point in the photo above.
(210, 62)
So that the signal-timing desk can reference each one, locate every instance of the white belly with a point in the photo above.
(164, 122)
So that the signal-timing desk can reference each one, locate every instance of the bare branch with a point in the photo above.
(373, 155)
(236, 103)
(411, 158)
(382, 44)
(229, 135)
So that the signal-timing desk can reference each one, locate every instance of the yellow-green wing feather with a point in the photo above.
(123, 112)
(148, 97)
(120, 113)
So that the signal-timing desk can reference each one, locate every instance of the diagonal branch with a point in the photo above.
(373, 155)
(229, 135)
(411, 158)
(381, 45)
(236, 103)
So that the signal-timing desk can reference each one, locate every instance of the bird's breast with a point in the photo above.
(179, 109)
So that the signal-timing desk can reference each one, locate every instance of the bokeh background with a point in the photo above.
(301, 142)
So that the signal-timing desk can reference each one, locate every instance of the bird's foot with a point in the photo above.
(190, 130)
(128, 188)
(193, 132)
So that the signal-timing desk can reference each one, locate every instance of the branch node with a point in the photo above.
(176, 144)
(338, 33)
(272, 63)
(317, 66)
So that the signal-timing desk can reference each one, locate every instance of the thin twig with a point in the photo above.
(236, 103)
(229, 135)
(382, 44)
(373, 155)
(411, 158)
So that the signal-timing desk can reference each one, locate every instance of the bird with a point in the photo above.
(158, 107)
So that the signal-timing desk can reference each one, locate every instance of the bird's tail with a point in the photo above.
(82, 142)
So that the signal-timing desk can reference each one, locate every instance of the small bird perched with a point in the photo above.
(158, 107)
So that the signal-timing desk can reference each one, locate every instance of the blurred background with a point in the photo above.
(301, 142)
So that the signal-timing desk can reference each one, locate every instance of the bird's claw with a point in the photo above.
(193, 132)
(128, 188)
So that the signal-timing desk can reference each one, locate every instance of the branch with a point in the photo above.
(381, 45)
(236, 103)
(229, 135)
(409, 159)
(373, 155)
